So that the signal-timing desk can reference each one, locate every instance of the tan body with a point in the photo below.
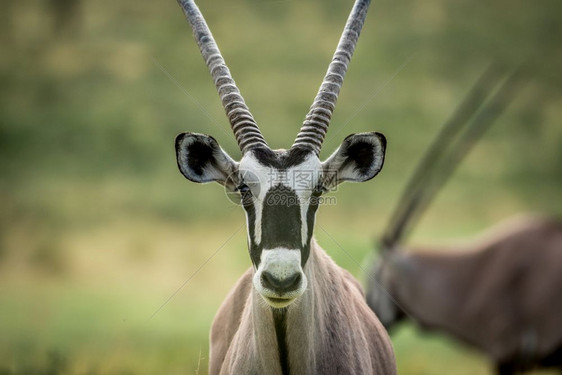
(329, 330)
(501, 293)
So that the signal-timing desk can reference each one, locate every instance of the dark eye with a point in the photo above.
(318, 190)
(243, 188)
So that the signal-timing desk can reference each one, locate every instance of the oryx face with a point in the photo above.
(279, 189)
(280, 192)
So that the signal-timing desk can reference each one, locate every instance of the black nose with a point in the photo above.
(280, 286)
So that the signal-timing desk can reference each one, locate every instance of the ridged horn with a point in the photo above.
(243, 125)
(317, 120)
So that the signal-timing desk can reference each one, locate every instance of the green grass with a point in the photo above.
(96, 331)
(108, 311)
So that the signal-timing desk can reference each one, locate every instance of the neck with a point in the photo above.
(328, 329)
(426, 277)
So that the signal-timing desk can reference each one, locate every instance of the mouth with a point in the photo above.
(278, 303)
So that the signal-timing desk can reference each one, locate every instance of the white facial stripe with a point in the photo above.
(260, 187)
(258, 208)
(304, 224)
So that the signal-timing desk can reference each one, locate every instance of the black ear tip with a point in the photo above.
(204, 138)
(381, 138)
(180, 138)
(349, 137)
(366, 139)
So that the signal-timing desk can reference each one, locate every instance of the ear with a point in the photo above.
(359, 158)
(201, 159)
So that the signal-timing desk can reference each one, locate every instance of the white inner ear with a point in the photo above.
(335, 173)
(219, 171)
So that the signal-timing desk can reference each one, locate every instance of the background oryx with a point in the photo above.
(295, 311)
(500, 292)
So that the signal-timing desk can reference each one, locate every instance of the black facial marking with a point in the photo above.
(281, 219)
(280, 331)
(280, 159)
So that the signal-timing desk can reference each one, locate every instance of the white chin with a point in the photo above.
(278, 303)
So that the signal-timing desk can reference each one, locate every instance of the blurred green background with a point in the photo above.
(98, 229)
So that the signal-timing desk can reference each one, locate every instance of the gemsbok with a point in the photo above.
(295, 311)
(501, 292)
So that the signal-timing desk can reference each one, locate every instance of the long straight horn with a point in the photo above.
(318, 118)
(243, 125)
(469, 122)
(427, 170)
